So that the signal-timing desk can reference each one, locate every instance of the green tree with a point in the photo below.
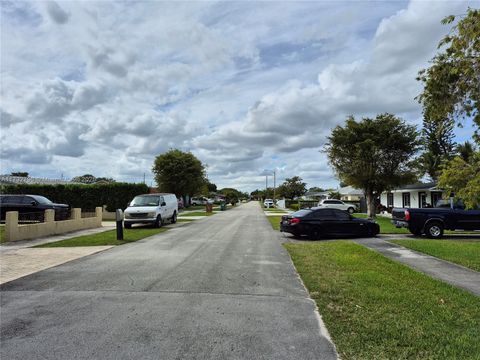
(466, 151)
(373, 154)
(315, 189)
(292, 188)
(451, 84)
(438, 146)
(334, 195)
(463, 179)
(179, 172)
(231, 195)
(211, 187)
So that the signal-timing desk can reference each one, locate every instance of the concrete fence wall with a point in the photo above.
(15, 232)
(108, 215)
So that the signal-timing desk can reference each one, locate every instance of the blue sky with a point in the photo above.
(104, 87)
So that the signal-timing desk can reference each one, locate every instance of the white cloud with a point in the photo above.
(103, 87)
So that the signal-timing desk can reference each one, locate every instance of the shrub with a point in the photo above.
(294, 207)
(87, 197)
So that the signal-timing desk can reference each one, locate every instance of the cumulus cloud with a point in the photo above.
(244, 87)
(57, 14)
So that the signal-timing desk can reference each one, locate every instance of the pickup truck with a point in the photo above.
(433, 221)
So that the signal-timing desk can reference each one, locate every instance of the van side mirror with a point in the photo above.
(163, 204)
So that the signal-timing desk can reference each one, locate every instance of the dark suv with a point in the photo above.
(26, 204)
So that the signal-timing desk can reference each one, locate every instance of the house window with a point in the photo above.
(406, 200)
(422, 199)
(437, 195)
(390, 200)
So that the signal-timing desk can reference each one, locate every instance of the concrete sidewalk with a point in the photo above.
(452, 274)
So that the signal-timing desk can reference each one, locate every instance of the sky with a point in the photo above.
(248, 87)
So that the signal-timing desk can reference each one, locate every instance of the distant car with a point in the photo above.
(32, 204)
(317, 223)
(180, 203)
(268, 203)
(336, 204)
(153, 209)
(199, 200)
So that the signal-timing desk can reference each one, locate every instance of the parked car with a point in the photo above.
(153, 209)
(337, 204)
(25, 204)
(433, 221)
(180, 203)
(199, 200)
(321, 222)
(268, 203)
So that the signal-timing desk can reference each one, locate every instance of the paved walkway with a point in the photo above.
(453, 274)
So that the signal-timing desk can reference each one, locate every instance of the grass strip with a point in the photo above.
(462, 252)
(275, 221)
(375, 308)
(197, 213)
(2, 234)
(106, 238)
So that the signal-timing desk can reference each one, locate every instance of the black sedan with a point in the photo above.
(317, 223)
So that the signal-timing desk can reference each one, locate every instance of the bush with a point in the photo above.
(113, 195)
(294, 207)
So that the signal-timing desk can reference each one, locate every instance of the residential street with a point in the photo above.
(219, 288)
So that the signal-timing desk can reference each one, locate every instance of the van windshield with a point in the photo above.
(145, 201)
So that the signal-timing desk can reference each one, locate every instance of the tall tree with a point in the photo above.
(179, 172)
(451, 84)
(466, 151)
(373, 154)
(292, 188)
(438, 146)
(463, 178)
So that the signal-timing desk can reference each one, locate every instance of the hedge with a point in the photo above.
(87, 197)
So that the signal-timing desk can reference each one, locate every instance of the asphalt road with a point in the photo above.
(220, 288)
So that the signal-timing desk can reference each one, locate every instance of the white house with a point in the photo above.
(414, 196)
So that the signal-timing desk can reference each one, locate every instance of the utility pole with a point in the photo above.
(144, 178)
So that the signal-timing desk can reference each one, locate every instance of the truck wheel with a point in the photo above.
(415, 231)
(434, 230)
(158, 222)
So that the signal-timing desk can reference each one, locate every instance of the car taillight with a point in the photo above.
(407, 215)
(295, 221)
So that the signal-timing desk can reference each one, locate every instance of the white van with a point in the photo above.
(153, 209)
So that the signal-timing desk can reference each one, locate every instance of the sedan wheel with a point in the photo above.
(351, 210)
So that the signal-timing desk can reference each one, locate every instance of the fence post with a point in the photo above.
(11, 225)
(76, 213)
(49, 215)
(99, 215)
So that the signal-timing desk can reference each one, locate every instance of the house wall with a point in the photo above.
(15, 232)
(414, 197)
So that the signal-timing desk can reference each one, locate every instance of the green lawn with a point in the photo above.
(275, 221)
(386, 226)
(375, 308)
(2, 234)
(463, 252)
(107, 238)
(196, 213)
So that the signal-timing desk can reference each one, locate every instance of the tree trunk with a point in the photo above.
(370, 204)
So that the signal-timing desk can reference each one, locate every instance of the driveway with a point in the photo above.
(222, 288)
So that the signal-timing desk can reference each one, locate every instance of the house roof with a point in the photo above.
(15, 180)
(350, 190)
(417, 186)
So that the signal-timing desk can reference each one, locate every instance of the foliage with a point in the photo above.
(21, 174)
(231, 195)
(179, 172)
(87, 197)
(438, 145)
(463, 178)
(85, 179)
(451, 84)
(292, 188)
(316, 189)
(466, 151)
(262, 194)
(294, 207)
(334, 195)
(373, 154)
(211, 187)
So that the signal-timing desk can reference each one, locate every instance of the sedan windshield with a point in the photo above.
(145, 201)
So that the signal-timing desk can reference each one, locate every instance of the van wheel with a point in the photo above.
(351, 210)
(158, 222)
(434, 230)
(174, 217)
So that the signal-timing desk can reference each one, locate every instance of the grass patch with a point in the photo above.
(375, 308)
(275, 221)
(2, 234)
(107, 238)
(184, 220)
(197, 213)
(463, 252)
(386, 226)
